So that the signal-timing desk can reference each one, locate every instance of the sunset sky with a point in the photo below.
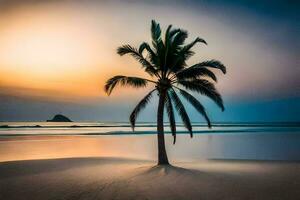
(56, 55)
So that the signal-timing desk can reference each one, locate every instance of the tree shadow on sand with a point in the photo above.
(174, 182)
(171, 171)
(167, 169)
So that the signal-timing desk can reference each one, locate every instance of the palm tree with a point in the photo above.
(166, 63)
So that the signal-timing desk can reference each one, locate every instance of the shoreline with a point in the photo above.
(135, 133)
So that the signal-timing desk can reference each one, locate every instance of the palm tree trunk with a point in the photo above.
(162, 154)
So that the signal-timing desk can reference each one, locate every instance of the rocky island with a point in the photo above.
(59, 118)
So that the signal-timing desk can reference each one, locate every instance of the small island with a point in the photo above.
(59, 118)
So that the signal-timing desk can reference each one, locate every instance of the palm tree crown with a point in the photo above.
(166, 62)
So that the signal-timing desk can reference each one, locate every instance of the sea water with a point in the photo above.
(118, 128)
(41, 140)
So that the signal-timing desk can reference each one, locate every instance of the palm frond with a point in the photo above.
(127, 49)
(185, 52)
(178, 39)
(171, 117)
(123, 81)
(179, 61)
(156, 36)
(195, 72)
(190, 45)
(173, 32)
(212, 64)
(167, 35)
(158, 44)
(174, 39)
(168, 41)
(181, 111)
(141, 105)
(152, 55)
(203, 87)
(181, 54)
(197, 105)
(146, 46)
(155, 31)
(142, 47)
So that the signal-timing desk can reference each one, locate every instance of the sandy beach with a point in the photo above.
(116, 178)
(124, 167)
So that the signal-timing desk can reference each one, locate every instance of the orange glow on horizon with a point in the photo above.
(69, 47)
(55, 49)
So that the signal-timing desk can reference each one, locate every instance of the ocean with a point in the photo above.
(118, 128)
(249, 141)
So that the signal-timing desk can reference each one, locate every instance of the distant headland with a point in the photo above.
(59, 118)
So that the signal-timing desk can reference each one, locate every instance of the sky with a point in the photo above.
(55, 56)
